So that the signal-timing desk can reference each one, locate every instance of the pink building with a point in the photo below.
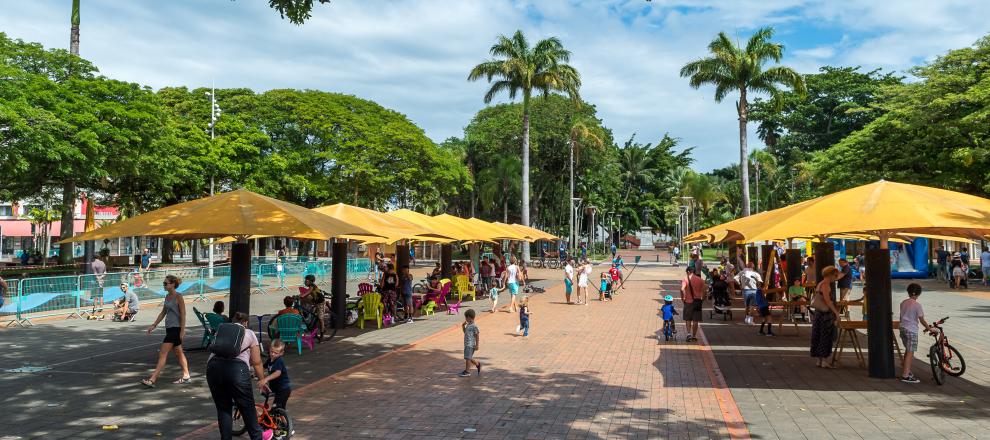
(17, 233)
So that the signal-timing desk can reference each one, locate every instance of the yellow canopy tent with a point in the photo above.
(498, 232)
(882, 209)
(391, 227)
(239, 213)
(454, 230)
(534, 233)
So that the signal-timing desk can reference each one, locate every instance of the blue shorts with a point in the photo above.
(514, 288)
(468, 352)
(568, 286)
(749, 297)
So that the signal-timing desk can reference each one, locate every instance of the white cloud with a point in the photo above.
(414, 55)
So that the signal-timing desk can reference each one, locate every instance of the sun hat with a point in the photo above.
(668, 298)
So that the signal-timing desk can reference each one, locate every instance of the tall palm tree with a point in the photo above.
(731, 68)
(499, 183)
(580, 131)
(636, 169)
(516, 68)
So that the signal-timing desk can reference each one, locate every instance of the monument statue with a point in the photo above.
(645, 233)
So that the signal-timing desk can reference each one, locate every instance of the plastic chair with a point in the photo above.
(208, 331)
(427, 309)
(371, 308)
(215, 320)
(453, 309)
(290, 329)
(364, 288)
(464, 288)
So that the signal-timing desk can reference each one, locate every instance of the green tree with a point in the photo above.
(733, 68)
(500, 184)
(933, 131)
(518, 68)
(297, 11)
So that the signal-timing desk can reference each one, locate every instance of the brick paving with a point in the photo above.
(781, 395)
(95, 367)
(585, 372)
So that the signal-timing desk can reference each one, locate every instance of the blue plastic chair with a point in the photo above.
(290, 329)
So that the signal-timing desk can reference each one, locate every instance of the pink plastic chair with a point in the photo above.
(453, 309)
(365, 288)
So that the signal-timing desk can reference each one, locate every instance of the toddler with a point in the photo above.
(524, 313)
(472, 342)
(276, 375)
(667, 311)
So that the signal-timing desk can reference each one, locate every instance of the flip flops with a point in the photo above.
(182, 380)
(147, 383)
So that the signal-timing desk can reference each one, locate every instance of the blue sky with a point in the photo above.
(414, 55)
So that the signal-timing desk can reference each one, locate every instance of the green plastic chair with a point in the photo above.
(209, 332)
(290, 329)
(371, 308)
(215, 320)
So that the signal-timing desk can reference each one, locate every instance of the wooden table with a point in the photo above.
(787, 306)
(847, 329)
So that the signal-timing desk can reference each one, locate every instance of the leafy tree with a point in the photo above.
(518, 68)
(933, 131)
(733, 68)
(297, 11)
(500, 184)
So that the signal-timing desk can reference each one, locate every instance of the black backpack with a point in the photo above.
(228, 340)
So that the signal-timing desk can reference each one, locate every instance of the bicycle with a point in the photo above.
(944, 358)
(276, 419)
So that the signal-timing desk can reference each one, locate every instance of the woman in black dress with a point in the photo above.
(823, 319)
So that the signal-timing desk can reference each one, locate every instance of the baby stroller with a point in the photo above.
(722, 304)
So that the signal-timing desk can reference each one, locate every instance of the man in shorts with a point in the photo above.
(749, 281)
(693, 291)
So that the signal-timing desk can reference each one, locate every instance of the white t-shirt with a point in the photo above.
(512, 270)
(569, 271)
(911, 310)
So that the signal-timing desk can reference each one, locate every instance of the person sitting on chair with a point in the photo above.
(126, 308)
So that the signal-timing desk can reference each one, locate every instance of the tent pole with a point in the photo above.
(880, 328)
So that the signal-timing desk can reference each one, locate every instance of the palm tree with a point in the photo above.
(636, 170)
(763, 161)
(731, 68)
(517, 68)
(580, 131)
(496, 184)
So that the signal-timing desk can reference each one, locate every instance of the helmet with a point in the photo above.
(668, 298)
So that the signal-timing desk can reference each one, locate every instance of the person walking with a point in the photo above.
(568, 280)
(145, 264)
(584, 271)
(844, 283)
(174, 314)
(823, 319)
(942, 258)
(229, 380)
(693, 292)
(749, 281)
(676, 256)
(406, 280)
(911, 314)
(524, 313)
(510, 279)
(472, 343)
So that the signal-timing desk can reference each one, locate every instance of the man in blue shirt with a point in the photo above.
(145, 261)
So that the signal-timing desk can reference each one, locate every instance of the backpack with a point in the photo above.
(228, 340)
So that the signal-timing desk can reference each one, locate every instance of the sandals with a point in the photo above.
(148, 383)
(182, 380)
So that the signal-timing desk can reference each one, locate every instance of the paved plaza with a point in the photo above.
(588, 372)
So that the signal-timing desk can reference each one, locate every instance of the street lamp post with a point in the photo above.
(214, 115)
(575, 207)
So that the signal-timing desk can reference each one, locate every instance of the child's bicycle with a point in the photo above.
(668, 330)
(944, 358)
(276, 419)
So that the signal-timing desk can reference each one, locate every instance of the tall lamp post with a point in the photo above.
(687, 217)
(575, 208)
(214, 115)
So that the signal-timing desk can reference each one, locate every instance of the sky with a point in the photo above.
(413, 56)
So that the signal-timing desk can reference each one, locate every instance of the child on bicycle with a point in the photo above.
(667, 311)
(276, 375)
(911, 314)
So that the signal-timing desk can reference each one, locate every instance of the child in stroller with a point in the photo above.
(720, 295)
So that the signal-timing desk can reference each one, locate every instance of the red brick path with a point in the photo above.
(585, 372)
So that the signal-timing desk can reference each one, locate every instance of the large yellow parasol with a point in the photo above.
(879, 209)
(239, 213)
(498, 232)
(532, 232)
(391, 228)
(454, 229)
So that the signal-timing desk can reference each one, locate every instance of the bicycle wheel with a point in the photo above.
(283, 423)
(935, 360)
(952, 362)
(419, 288)
(239, 427)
